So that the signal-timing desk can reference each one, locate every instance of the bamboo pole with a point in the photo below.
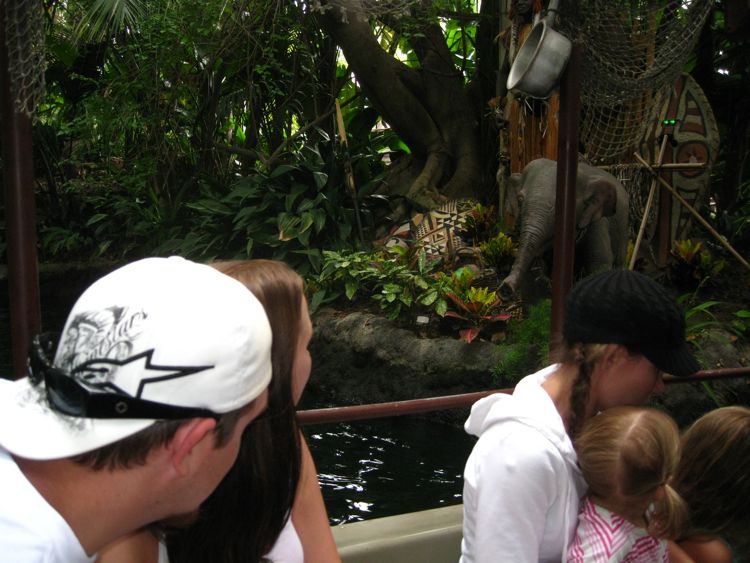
(679, 166)
(348, 171)
(697, 215)
(665, 166)
(646, 210)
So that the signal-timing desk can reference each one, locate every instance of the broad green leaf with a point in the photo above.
(297, 190)
(304, 238)
(429, 298)
(96, 218)
(442, 307)
(319, 216)
(287, 226)
(281, 170)
(306, 221)
(245, 190)
(103, 247)
(210, 206)
(317, 300)
(320, 179)
(305, 205)
(351, 290)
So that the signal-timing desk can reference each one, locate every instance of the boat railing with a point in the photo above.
(419, 406)
(432, 535)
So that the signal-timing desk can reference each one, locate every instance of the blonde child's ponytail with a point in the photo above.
(670, 515)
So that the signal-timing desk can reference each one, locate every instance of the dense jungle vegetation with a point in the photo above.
(208, 129)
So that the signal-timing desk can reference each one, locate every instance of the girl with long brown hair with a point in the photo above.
(713, 477)
(269, 507)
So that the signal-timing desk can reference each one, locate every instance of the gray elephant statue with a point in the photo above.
(601, 217)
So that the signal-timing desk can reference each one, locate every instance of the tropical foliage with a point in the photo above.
(210, 129)
(152, 107)
(164, 122)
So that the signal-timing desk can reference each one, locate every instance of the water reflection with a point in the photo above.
(380, 468)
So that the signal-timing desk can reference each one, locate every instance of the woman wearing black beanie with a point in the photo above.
(522, 484)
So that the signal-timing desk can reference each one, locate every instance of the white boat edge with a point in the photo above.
(429, 536)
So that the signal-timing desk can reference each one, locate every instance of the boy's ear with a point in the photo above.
(188, 443)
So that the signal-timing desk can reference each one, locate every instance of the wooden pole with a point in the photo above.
(697, 215)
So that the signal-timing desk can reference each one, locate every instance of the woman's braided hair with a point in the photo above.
(585, 356)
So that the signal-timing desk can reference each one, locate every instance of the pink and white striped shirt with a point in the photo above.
(605, 537)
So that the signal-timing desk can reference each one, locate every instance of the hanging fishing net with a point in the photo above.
(633, 52)
(24, 45)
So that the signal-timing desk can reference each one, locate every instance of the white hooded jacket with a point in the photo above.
(522, 485)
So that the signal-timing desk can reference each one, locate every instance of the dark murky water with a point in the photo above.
(380, 468)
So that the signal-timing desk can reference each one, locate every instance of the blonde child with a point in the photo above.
(627, 455)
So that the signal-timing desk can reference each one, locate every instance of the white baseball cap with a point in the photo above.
(156, 334)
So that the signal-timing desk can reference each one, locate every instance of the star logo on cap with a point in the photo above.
(121, 375)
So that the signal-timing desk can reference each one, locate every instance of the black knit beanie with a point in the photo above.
(629, 308)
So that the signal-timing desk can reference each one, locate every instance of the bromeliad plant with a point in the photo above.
(477, 306)
(480, 224)
(694, 263)
(498, 251)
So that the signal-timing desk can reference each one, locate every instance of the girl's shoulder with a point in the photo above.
(706, 549)
(603, 536)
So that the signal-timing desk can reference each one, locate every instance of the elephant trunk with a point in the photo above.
(531, 244)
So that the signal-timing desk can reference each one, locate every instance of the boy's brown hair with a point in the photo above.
(133, 450)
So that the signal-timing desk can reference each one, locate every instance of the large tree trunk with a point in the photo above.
(427, 107)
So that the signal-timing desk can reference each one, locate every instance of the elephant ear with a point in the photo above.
(600, 201)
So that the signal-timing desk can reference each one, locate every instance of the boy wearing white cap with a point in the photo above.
(159, 369)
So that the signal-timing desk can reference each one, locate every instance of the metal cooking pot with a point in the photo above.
(540, 61)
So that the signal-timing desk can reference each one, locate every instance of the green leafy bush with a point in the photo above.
(401, 282)
(528, 344)
(741, 322)
(290, 214)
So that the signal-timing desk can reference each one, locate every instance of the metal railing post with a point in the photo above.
(20, 221)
